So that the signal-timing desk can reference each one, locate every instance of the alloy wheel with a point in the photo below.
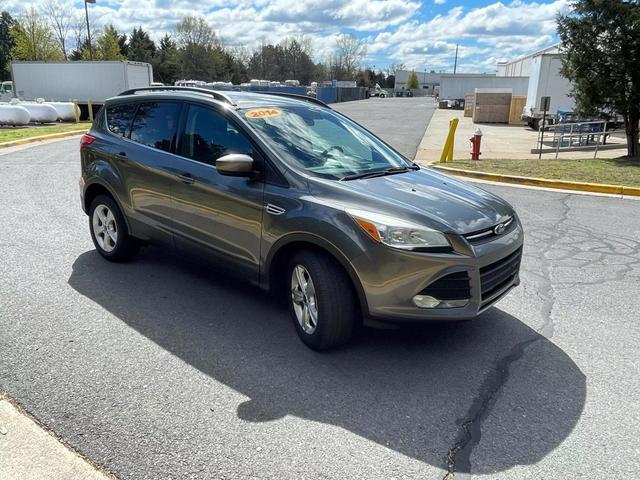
(303, 296)
(105, 228)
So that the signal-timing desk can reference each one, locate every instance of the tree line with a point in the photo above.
(191, 51)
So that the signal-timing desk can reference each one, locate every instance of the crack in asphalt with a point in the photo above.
(470, 427)
(598, 249)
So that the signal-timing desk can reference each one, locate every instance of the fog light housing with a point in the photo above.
(427, 301)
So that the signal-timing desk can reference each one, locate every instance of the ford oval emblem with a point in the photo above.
(499, 229)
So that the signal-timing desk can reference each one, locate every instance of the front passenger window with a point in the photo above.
(208, 136)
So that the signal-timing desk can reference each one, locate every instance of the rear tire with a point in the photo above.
(321, 300)
(109, 230)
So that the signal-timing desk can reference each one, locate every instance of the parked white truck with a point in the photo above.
(82, 81)
(6, 91)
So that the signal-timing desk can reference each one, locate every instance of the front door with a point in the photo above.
(222, 215)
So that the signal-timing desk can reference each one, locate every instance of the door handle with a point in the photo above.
(122, 156)
(186, 178)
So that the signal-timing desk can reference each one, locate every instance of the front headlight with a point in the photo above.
(397, 233)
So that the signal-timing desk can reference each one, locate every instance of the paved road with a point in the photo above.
(401, 122)
(160, 369)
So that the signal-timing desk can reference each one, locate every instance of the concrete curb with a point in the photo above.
(543, 182)
(31, 450)
(42, 138)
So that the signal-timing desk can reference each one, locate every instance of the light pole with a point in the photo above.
(455, 63)
(86, 14)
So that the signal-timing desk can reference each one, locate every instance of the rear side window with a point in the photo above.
(155, 125)
(208, 136)
(119, 118)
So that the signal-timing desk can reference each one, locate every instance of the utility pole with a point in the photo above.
(455, 63)
(86, 13)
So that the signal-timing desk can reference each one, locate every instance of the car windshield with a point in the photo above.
(322, 142)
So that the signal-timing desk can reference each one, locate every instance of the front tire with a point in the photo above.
(109, 230)
(321, 300)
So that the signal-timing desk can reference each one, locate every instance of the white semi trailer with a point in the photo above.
(82, 81)
(545, 80)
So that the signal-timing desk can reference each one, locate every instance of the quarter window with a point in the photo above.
(155, 125)
(119, 118)
(208, 136)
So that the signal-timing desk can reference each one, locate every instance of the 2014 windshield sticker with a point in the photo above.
(263, 113)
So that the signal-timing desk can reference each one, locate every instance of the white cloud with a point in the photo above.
(398, 29)
(496, 31)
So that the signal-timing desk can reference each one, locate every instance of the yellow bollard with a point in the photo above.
(447, 151)
(90, 106)
(76, 111)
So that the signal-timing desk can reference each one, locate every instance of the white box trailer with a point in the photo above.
(81, 81)
(545, 80)
(454, 87)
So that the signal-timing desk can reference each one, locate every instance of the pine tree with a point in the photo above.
(141, 48)
(108, 45)
(601, 42)
(412, 81)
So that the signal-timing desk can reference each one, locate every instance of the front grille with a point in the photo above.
(481, 236)
(498, 277)
(455, 286)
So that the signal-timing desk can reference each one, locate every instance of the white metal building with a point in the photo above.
(428, 82)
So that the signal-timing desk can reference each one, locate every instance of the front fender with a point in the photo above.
(338, 236)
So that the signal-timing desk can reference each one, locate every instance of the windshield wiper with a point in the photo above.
(380, 173)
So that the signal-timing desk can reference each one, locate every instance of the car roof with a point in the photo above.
(239, 99)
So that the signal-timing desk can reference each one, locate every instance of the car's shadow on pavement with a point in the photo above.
(423, 392)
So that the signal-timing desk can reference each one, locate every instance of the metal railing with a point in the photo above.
(571, 136)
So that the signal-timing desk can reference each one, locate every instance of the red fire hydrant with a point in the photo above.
(475, 144)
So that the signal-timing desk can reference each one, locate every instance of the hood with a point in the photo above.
(448, 204)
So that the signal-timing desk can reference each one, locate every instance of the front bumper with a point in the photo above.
(391, 278)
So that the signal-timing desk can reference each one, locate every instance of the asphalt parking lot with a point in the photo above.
(401, 122)
(165, 369)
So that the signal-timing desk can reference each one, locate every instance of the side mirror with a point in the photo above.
(235, 165)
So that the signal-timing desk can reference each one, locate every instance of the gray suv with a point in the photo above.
(295, 197)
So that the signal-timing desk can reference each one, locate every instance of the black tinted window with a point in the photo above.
(155, 125)
(208, 136)
(119, 118)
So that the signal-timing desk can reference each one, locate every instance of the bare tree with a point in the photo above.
(241, 54)
(78, 37)
(350, 51)
(394, 68)
(60, 20)
(79, 32)
(196, 31)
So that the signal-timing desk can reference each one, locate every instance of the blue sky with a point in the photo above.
(420, 34)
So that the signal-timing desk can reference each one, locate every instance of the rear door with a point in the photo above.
(148, 166)
(220, 214)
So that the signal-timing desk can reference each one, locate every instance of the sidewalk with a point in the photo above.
(28, 452)
(498, 141)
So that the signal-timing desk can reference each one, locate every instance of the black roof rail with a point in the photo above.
(304, 98)
(215, 94)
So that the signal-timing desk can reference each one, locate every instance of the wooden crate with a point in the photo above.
(469, 102)
(492, 107)
(515, 111)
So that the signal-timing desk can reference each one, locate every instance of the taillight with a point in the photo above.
(86, 140)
